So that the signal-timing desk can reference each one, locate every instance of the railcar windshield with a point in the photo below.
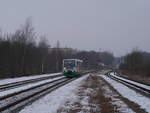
(69, 63)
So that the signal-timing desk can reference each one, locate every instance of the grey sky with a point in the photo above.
(115, 25)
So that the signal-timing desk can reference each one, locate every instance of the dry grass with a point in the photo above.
(135, 107)
(97, 101)
(137, 77)
(93, 91)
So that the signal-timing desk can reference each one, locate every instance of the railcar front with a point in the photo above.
(71, 67)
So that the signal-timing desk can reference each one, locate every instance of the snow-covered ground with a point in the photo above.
(67, 95)
(122, 107)
(3, 93)
(56, 99)
(136, 83)
(10, 80)
(142, 101)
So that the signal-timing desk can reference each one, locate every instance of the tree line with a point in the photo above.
(136, 62)
(21, 54)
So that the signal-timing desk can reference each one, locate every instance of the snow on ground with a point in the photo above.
(10, 80)
(133, 82)
(82, 103)
(130, 94)
(3, 93)
(122, 107)
(56, 99)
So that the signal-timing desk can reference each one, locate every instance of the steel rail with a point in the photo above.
(24, 82)
(36, 92)
(28, 89)
(5, 107)
(129, 83)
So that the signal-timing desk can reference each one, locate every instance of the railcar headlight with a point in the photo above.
(65, 69)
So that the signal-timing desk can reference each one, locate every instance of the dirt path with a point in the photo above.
(95, 95)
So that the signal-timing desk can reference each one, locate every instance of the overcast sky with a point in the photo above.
(115, 25)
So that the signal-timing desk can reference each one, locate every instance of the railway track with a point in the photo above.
(16, 100)
(144, 88)
(25, 82)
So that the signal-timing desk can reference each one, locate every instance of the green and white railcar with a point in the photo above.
(72, 67)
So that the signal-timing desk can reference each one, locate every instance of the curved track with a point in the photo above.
(136, 85)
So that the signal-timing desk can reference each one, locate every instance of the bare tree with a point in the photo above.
(43, 49)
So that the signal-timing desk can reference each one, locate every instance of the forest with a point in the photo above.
(21, 54)
(136, 62)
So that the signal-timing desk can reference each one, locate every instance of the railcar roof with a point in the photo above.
(74, 59)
